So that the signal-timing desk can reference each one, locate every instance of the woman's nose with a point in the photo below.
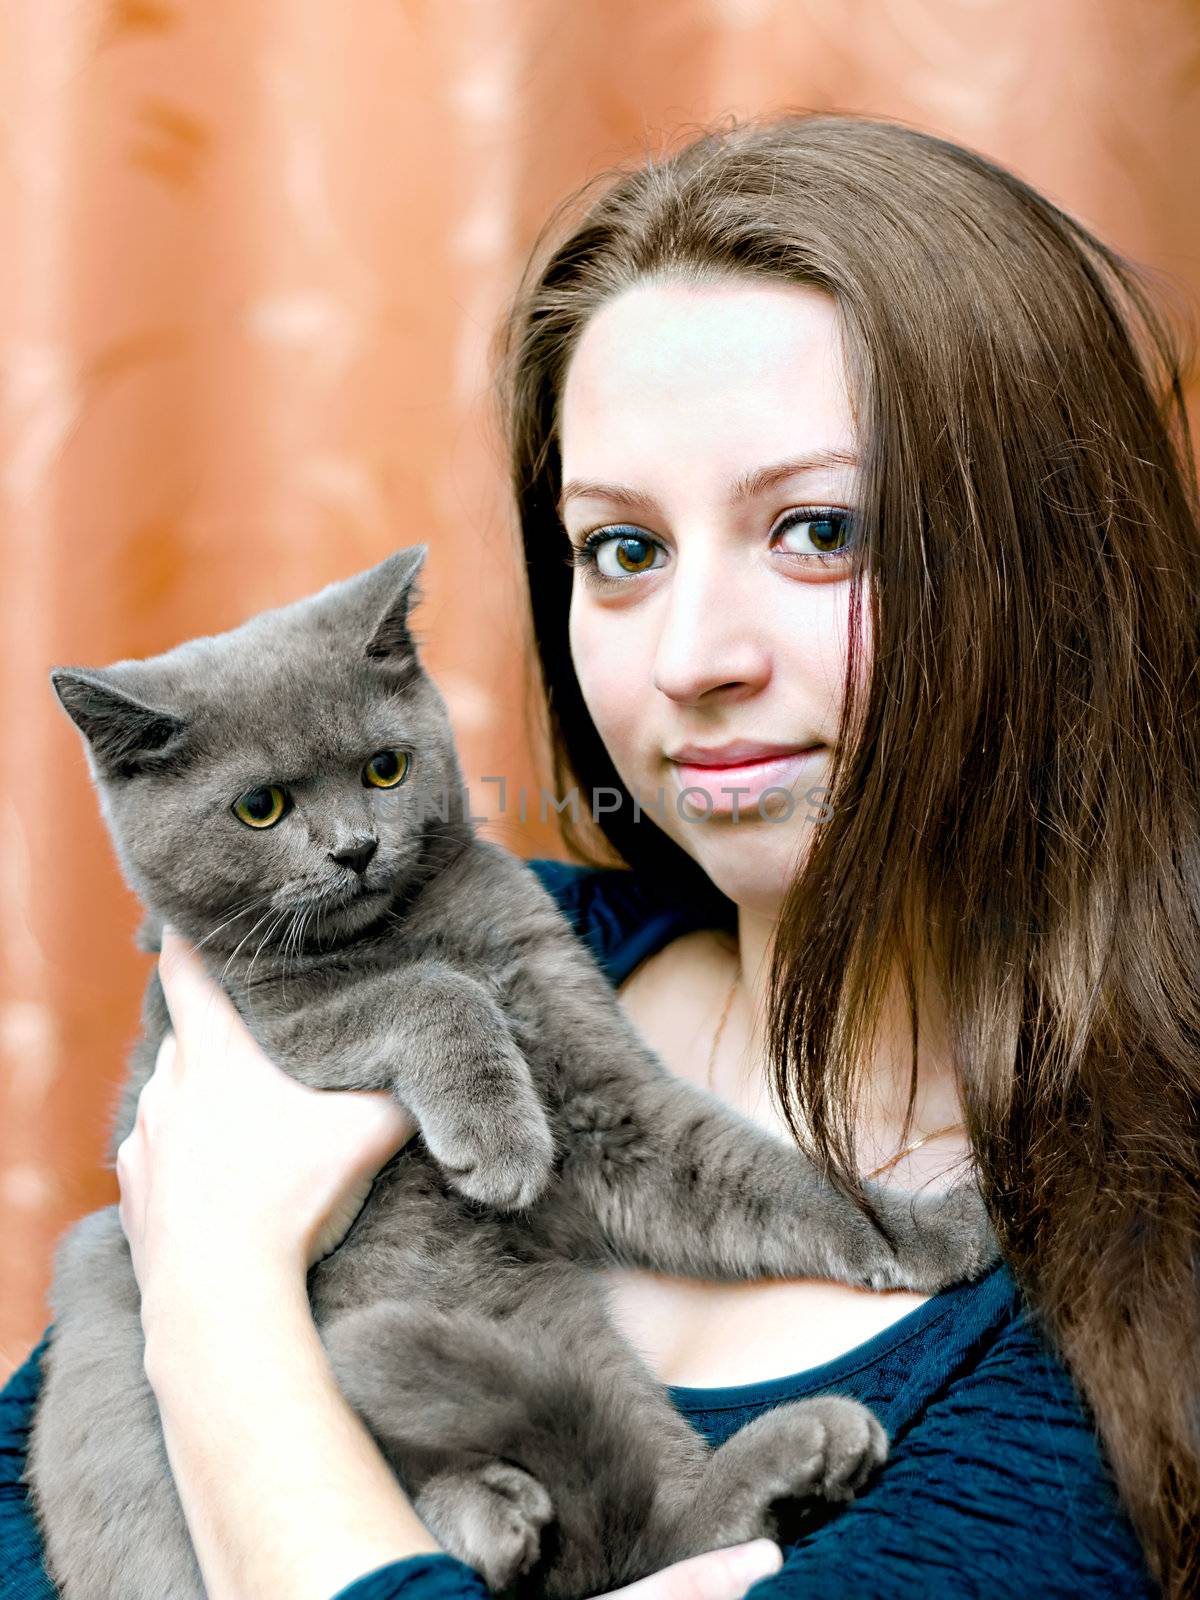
(712, 631)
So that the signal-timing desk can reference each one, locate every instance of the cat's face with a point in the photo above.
(282, 780)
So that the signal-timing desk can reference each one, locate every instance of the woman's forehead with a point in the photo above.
(658, 329)
(726, 379)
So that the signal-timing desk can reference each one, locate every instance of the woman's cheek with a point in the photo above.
(618, 726)
(614, 664)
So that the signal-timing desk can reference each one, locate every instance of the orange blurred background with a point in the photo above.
(254, 256)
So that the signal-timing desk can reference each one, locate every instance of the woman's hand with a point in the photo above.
(235, 1179)
(715, 1575)
(231, 1159)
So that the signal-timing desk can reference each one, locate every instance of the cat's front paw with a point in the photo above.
(491, 1517)
(502, 1156)
(941, 1239)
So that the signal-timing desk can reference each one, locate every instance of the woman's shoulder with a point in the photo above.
(578, 887)
(22, 1573)
(994, 1470)
(990, 1434)
(620, 915)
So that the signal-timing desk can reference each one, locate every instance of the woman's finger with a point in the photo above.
(190, 993)
(164, 1061)
(124, 1155)
(158, 1083)
(129, 1164)
(715, 1575)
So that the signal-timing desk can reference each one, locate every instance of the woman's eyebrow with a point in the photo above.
(744, 487)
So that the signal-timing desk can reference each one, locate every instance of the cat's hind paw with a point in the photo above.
(824, 1448)
(854, 1444)
(491, 1517)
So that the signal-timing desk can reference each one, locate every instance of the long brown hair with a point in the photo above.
(1016, 803)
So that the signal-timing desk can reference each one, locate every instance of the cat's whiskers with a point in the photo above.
(249, 932)
(262, 943)
(284, 943)
(241, 911)
(292, 941)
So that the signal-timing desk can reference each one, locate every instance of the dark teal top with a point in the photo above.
(995, 1482)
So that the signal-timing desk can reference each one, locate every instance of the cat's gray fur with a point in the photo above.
(459, 1313)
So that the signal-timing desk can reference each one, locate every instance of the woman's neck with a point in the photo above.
(741, 1066)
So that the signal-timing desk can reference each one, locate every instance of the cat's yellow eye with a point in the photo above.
(386, 769)
(260, 808)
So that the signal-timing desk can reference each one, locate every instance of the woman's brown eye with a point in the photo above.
(386, 769)
(832, 532)
(827, 533)
(261, 808)
(605, 557)
(641, 560)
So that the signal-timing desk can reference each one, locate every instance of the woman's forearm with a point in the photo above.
(285, 1492)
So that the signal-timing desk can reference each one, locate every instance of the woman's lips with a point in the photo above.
(749, 778)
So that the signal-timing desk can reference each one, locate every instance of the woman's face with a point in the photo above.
(709, 604)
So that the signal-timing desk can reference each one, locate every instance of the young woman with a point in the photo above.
(859, 519)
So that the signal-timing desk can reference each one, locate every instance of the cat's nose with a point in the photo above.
(356, 856)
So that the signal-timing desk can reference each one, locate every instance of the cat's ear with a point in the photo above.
(394, 586)
(125, 735)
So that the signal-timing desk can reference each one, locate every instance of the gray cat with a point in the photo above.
(288, 796)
